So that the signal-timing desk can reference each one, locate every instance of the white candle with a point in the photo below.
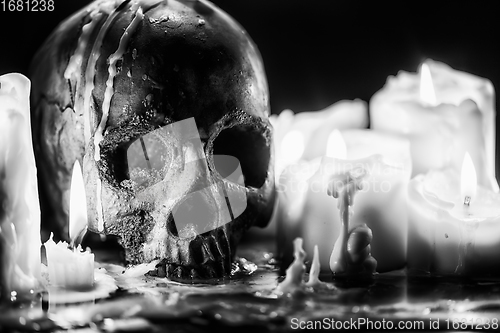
(454, 227)
(313, 129)
(19, 205)
(72, 268)
(444, 113)
(292, 192)
(306, 210)
(304, 137)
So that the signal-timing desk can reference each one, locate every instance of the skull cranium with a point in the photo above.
(118, 79)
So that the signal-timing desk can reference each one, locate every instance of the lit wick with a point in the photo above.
(467, 201)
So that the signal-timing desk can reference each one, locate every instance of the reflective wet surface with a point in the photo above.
(248, 301)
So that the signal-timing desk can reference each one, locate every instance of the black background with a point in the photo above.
(317, 52)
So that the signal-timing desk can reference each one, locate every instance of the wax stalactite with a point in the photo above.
(295, 271)
(351, 252)
(293, 281)
(314, 280)
(19, 204)
(69, 266)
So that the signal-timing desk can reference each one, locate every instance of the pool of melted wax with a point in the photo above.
(248, 300)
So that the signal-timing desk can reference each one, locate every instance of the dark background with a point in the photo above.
(317, 52)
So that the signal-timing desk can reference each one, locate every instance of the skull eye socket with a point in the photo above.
(229, 168)
(149, 158)
(248, 144)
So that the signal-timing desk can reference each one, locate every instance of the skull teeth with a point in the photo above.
(208, 257)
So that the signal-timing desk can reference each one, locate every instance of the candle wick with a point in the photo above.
(78, 239)
(467, 200)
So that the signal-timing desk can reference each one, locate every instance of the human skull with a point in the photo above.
(123, 78)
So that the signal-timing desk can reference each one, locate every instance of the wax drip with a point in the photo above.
(100, 220)
(113, 60)
(344, 186)
(338, 259)
(293, 281)
(91, 65)
(314, 280)
(113, 8)
(76, 60)
(295, 271)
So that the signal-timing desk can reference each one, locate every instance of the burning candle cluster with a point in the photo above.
(426, 129)
(417, 190)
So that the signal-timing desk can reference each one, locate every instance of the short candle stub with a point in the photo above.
(467, 200)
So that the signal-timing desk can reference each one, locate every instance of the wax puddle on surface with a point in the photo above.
(247, 278)
(104, 286)
(157, 304)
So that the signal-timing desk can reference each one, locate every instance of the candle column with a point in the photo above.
(444, 114)
(454, 229)
(19, 205)
(304, 137)
(313, 128)
(306, 211)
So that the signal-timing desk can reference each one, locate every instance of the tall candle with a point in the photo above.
(19, 205)
(456, 115)
(306, 211)
(454, 227)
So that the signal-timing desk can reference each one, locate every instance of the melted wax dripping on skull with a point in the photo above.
(111, 9)
(89, 87)
(75, 62)
(89, 80)
(108, 94)
(112, 71)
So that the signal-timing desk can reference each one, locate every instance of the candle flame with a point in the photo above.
(427, 93)
(335, 146)
(292, 146)
(468, 184)
(77, 203)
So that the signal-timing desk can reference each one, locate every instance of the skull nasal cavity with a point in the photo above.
(248, 145)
